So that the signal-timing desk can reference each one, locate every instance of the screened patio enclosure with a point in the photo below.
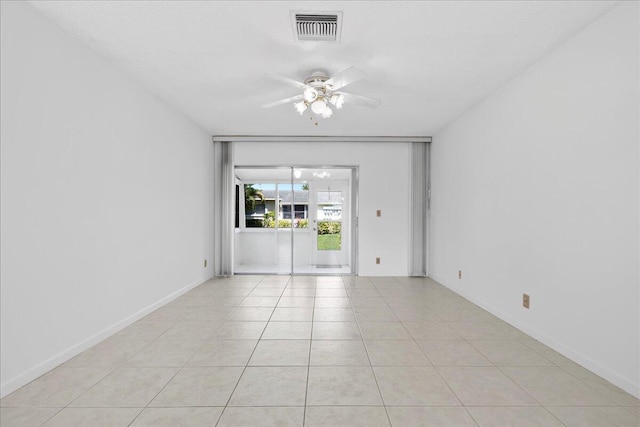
(295, 220)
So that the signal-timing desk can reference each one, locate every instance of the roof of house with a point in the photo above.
(302, 197)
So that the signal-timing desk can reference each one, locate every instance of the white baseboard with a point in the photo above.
(26, 377)
(602, 371)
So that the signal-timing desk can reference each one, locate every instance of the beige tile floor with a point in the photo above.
(319, 351)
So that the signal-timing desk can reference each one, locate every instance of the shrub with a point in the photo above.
(329, 227)
(302, 223)
(284, 223)
(255, 222)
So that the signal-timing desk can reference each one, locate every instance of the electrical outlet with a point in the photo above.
(525, 301)
(205, 263)
(377, 260)
(459, 274)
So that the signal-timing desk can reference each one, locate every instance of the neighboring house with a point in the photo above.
(329, 205)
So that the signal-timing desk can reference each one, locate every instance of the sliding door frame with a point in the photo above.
(353, 206)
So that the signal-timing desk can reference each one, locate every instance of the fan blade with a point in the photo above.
(290, 81)
(365, 101)
(346, 77)
(283, 101)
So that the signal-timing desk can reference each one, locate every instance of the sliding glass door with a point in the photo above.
(294, 220)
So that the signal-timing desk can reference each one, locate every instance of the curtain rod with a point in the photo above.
(289, 138)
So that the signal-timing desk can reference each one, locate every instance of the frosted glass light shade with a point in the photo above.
(300, 107)
(310, 94)
(318, 106)
(337, 100)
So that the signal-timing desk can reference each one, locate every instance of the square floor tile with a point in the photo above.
(368, 302)
(255, 314)
(109, 353)
(480, 330)
(262, 416)
(190, 331)
(363, 292)
(418, 416)
(292, 314)
(509, 353)
(56, 388)
(143, 330)
(199, 386)
(431, 331)
(411, 385)
(327, 283)
(383, 331)
(332, 292)
(552, 386)
(207, 314)
(296, 302)
(351, 416)
(401, 300)
(375, 314)
(223, 353)
(25, 417)
(183, 417)
(334, 314)
(601, 385)
(335, 331)
(164, 353)
(287, 331)
(453, 353)
(266, 292)
(174, 311)
(332, 302)
(484, 386)
(338, 352)
(95, 417)
(416, 314)
(281, 353)
(226, 301)
(239, 330)
(126, 388)
(549, 354)
(396, 353)
(513, 416)
(260, 302)
(297, 291)
(595, 416)
(340, 385)
(271, 386)
(464, 315)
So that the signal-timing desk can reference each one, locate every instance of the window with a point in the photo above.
(268, 205)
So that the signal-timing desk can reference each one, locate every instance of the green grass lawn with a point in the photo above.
(329, 242)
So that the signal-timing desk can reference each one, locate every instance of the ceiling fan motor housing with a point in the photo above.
(317, 80)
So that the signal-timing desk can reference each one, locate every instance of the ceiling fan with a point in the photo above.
(321, 92)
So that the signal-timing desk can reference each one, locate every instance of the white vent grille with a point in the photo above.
(316, 26)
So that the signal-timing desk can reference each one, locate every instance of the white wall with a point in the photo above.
(105, 198)
(536, 191)
(383, 184)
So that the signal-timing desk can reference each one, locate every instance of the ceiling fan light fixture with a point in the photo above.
(318, 106)
(328, 112)
(310, 94)
(301, 107)
(337, 99)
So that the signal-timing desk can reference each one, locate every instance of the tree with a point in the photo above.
(250, 196)
(305, 186)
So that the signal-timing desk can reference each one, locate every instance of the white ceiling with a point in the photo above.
(427, 61)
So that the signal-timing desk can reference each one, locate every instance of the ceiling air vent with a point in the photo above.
(317, 26)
